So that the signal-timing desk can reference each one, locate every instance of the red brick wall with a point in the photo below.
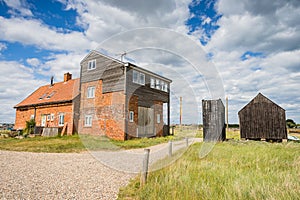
(24, 115)
(132, 106)
(107, 111)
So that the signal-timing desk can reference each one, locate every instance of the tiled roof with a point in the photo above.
(47, 94)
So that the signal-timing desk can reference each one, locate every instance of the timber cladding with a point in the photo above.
(213, 120)
(262, 119)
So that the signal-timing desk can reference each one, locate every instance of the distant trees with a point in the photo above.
(290, 123)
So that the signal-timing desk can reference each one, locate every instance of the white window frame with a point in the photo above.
(152, 82)
(48, 117)
(157, 84)
(31, 116)
(91, 92)
(158, 118)
(131, 116)
(52, 117)
(138, 77)
(166, 87)
(61, 119)
(88, 120)
(91, 64)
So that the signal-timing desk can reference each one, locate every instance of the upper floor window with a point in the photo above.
(138, 77)
(91, 92)
(92, 64)
(157, 84)
(152, 83)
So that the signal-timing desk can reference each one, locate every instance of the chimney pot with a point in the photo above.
(67, 77)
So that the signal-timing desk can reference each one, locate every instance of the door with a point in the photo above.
(43, 120)
(145, 122)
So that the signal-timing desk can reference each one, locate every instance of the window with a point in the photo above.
(51, 94)
(32, 117)
(152, 83)
(138, 77)
(131, 116)
(43, 96)
(91, 92)
(48, 117)
(61, 119)
(88, 120)
(157, 84)
(162, 85)
(52, 117)
(92, 64)
(166, 87)
(158, 118)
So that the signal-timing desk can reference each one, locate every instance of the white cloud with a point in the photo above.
(33, 62)
(16, 83)
(20, 30)
(18, 6)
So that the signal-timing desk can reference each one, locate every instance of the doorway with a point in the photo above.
(145, 122)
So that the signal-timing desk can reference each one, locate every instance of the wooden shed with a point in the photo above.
(213, 120)
(262, 119)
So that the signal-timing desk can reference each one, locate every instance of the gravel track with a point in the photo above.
(88, 175)
(26, 175)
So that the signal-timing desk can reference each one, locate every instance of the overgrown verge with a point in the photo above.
(232, 170)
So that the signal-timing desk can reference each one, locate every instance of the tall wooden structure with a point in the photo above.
(213, 120)
(262, 119)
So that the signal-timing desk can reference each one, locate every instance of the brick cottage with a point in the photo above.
(112, 98)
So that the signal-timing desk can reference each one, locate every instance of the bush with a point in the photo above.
(29, 129)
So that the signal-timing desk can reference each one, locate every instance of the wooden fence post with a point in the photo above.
(187, 142)
(145, 167)
(170, 148)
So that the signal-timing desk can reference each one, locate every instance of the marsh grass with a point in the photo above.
(233, 170)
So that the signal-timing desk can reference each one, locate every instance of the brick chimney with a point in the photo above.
(67, 76)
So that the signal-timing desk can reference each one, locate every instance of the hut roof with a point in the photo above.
(259, 99)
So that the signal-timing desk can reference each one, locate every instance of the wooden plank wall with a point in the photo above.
(213, 120)
(108, 70)
(262, 119)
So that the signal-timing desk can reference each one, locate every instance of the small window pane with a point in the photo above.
(158, 118)
(91, 92)
(131, 116)
(61, 119)
(88, 120)
(135, 77)
(152, 83)
(157, 84)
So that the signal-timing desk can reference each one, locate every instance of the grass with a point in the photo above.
(232, 170)
(75, 143)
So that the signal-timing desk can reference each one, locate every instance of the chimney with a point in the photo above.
(51, 81)
(67, 77)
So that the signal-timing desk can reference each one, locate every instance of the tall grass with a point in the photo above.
(233, 170)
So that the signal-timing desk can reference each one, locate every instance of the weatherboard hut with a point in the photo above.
(213, 120)
(262, 119)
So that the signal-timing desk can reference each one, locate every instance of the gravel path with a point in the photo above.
(89, 175)
(27, 175)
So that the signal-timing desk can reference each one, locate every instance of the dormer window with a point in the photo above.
(92, 64)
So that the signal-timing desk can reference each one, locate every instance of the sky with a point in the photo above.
(210, 49)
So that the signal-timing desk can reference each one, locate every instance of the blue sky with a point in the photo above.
(254, 45)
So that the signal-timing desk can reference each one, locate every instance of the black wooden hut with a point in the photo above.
(213, 120)
(262, 119)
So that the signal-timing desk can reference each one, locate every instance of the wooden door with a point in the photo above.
(145, 122)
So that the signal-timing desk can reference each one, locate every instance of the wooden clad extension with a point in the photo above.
(262, 119)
